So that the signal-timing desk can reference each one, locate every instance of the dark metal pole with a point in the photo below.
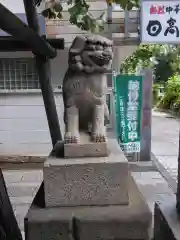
(43, 66)
(11, 44)
(11, 24)
(178, 184)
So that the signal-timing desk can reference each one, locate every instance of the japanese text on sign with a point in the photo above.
(122, 122)
(128, 111)
(133, 94)
(160, 21)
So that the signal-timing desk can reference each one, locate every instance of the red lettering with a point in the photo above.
(153, 9)
(160, 10)
(156, 9)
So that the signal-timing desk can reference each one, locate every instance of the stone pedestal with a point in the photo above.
(121, 222)
(87, 181)
(88, 199)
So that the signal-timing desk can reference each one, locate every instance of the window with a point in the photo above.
(18, 74)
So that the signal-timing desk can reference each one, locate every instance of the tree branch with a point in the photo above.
(79, 12)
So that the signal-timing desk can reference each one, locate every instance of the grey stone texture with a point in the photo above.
(132, 221)
(85, 87)
(74, 150)
(53, 227)
(87, 181)
(166, 221)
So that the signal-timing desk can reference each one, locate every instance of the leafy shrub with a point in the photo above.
(163, 59)
(171, 98)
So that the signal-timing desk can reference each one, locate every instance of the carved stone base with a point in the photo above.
(88, 181)
(85, 148)
(132, 221)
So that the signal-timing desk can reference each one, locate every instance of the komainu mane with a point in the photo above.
(85, 88)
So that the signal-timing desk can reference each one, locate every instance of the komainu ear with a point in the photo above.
(77, 45)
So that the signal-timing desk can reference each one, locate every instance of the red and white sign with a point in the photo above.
(160, 22)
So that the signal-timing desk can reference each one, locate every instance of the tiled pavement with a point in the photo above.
(23, 184)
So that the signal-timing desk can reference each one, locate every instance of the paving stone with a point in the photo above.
(16, 176)
(21, 200)
(153, 186)
(164, 148)
(20, 190)
(21, 210)
(20, 221)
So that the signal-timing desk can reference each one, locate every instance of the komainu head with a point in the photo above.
(90, 54)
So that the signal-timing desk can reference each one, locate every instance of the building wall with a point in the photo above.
(23, 124)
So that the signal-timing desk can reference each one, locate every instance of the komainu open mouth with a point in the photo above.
(100, 59)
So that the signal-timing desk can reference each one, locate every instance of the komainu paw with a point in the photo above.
(71, 138)
(98, 137)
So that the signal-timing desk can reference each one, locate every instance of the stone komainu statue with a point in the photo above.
(85, 88)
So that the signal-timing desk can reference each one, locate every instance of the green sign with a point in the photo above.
(128, 105)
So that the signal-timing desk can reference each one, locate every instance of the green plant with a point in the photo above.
(79, 12)
(163, 59)
(171, 98)
(176, 105)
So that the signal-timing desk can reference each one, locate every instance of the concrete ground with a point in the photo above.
(165, 140)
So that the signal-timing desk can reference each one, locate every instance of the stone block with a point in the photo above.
(121, 222)
(44, 224)
(127, 222)
(166, 219)
(88, 181)
(85, 148)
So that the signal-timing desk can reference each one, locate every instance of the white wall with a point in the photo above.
(23, 124)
